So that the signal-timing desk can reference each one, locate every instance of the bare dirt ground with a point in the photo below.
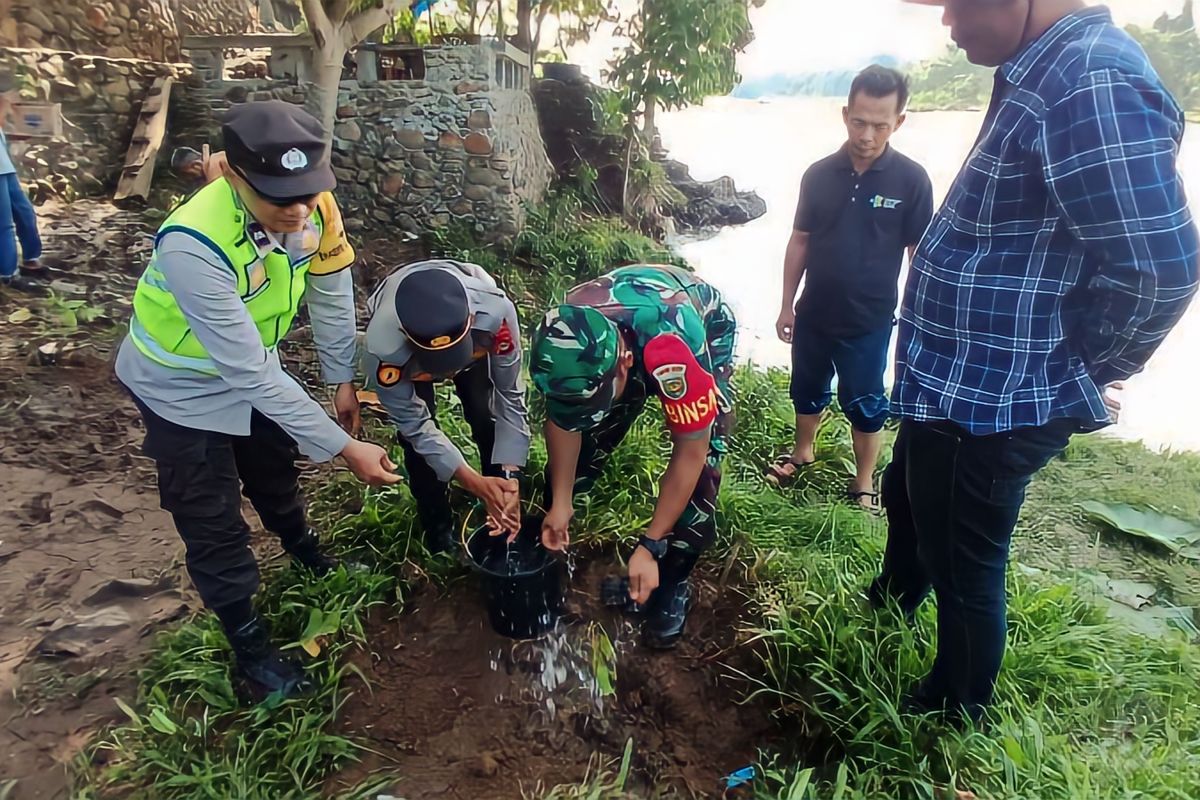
(463, 713)
(89, 564)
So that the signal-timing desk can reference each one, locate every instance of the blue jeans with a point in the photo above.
(17, 222)
(952, 502)
(859, 362)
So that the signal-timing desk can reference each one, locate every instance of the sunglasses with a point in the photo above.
(285, 202)
(279, 202)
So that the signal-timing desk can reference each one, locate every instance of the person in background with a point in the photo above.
(18, 220)
(229, 269)
(859, 210)
(637, 332)
(446, 320)
(196, 168)
(1061, 258)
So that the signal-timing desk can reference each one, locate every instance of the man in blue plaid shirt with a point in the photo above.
(1061, 258)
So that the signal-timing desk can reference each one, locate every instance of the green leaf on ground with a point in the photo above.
(1179, 536)
(320, 624)
(20, 315)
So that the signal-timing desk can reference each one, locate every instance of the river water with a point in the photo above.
(767, 145)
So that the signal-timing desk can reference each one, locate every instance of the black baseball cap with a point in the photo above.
(279, 148)
(434, 314)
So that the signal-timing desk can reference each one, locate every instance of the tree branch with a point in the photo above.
(314, 13)
(361, 25)
(339, 10)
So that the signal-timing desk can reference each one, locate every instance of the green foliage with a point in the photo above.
(611, 110)
(562, 244)
(189, 737)
(1174, 50)
(950, 82)
(576, 20)
(680, 52)
(649, 189)
(405, 28)
(1172, 45)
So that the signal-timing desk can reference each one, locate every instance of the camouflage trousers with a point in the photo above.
(696, 528)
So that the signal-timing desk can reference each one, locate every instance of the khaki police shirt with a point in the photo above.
(495, 331)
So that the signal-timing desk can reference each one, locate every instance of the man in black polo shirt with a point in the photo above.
(859, 209)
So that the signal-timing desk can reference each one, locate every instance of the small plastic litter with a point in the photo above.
(741, 778)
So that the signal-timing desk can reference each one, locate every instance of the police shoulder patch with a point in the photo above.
(388, 375)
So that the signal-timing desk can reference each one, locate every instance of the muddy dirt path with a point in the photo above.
(89, 564)
(90, 567)
(460, 712)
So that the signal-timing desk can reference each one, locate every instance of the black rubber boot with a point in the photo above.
(261, 670)
(306, 551)
(667, 608)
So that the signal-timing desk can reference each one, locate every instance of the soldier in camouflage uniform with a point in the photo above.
(638, 331)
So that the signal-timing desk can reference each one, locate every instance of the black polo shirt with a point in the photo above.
(859, 227)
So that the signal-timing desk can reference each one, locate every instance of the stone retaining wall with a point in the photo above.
(113, 28)
(463, 144)
(413, 155)
(100, 98)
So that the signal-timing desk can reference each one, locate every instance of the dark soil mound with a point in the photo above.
(455, 711)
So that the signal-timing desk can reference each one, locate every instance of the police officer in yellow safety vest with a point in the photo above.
(229, 269)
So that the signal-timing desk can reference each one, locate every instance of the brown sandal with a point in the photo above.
(776, 476)
(856, 498)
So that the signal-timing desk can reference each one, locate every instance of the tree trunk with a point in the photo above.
(327, 77)
(649, 127)
(524, 24)
(536, 43)
(501, 32)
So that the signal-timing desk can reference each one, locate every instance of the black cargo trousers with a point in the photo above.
(202, 476)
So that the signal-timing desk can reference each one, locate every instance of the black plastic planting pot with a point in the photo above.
(522, 581)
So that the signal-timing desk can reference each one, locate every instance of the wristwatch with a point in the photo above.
(655, 547)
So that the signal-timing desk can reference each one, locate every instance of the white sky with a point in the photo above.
(812, 35)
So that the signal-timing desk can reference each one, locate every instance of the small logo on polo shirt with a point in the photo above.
(879, 201)
(293, 160)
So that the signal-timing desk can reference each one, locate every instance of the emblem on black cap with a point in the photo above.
(293, 160)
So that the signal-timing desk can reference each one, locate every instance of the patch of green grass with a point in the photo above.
(606, 781)
(187, 735)
(1086, 709)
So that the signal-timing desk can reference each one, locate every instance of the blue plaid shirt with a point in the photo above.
(1064, 252)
